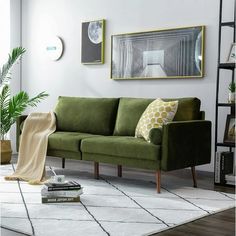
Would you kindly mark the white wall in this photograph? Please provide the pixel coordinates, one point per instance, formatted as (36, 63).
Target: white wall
(5, 30)
(42, 18)
(15, 41)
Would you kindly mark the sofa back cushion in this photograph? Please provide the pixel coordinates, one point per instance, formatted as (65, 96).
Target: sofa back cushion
(128, 114)
(131, 109)
(87, 115)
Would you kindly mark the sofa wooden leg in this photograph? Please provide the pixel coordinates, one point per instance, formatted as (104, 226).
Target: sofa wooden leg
(96, 170)
(194, 176)
(119, 170)
(63, 163)
(158, 181)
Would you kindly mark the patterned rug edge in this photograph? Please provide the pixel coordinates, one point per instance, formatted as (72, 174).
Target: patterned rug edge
(187, 222)
(14, 230)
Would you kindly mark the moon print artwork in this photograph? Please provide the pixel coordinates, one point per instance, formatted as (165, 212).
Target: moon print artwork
(95, 32)
(92, 51)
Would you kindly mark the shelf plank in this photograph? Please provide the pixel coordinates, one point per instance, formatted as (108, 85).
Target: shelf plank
(228, 66)
(228, 23)
(225, 144)
(225, 104)
(226, 185)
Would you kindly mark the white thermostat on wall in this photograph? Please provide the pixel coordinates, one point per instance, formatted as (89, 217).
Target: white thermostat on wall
(54, 48)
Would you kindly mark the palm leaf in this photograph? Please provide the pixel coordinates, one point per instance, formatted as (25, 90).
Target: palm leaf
(4, 96)
(4, 104)
(17, 105)
(35, 100)
(12, 59)
(13, 107)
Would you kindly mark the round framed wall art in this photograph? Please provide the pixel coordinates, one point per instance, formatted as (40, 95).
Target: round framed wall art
(54, 48)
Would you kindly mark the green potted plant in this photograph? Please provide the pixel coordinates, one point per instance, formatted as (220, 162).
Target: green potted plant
(231, 88)
(12, 107)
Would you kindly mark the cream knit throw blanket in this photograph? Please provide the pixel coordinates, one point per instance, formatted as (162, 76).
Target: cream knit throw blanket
(33, 148)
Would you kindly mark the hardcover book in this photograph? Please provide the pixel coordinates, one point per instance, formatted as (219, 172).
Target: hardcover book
(60, 199)
(217, 167)
(61, 193)
(70, 185)
(223, 166)
(230, 179)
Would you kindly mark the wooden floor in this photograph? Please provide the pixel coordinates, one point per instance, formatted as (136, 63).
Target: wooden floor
(220, 224)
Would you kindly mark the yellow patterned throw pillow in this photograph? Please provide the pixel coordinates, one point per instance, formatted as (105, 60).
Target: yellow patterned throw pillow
(156, 114)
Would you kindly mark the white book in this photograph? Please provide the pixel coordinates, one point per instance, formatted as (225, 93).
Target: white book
(230, 178)
(67, 193)
(230, 182)
(217, 167)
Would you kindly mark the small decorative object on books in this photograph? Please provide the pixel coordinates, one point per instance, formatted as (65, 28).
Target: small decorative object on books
(231, 98)
(92, 51)
(229, 136)
(68, 191)
(232, 54)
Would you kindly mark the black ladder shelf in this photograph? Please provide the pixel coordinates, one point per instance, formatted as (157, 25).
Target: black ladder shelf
(224, 66)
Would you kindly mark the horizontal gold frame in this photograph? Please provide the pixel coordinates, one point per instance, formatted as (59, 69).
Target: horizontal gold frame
(202, 73)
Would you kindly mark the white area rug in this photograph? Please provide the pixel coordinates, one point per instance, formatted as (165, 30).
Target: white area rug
(109, 206)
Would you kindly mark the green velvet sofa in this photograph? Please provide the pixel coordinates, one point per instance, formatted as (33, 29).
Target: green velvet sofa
(103, 129)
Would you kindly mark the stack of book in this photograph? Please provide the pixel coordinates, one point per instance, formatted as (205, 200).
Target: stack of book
(224, 168)
(61, 192)
(230, 179)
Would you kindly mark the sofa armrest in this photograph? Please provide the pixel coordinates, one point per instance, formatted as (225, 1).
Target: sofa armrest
(19, 122)
(185, 144)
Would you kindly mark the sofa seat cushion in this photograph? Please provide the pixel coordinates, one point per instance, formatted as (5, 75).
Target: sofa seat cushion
(66, 141)
(121, 146)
